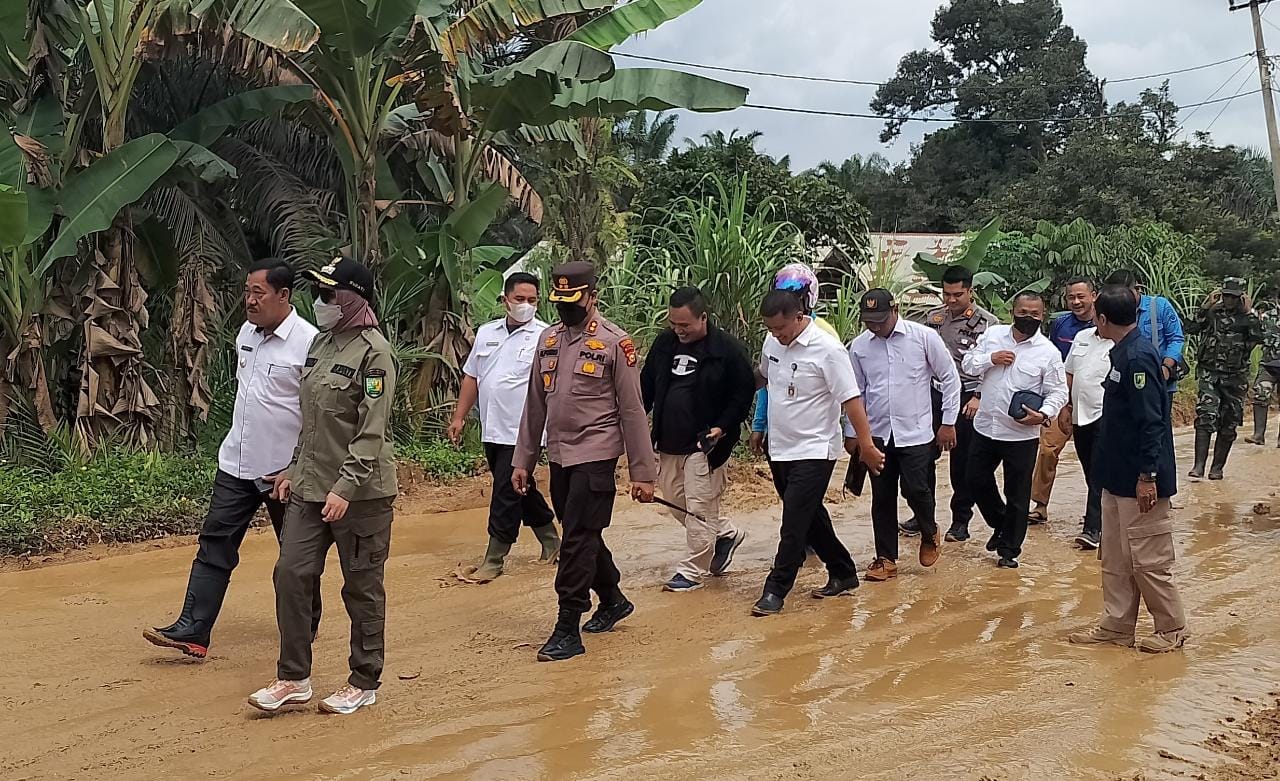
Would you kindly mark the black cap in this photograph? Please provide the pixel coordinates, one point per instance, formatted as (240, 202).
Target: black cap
(343, 273)
(876, 305)
(571, 282)
(1234, 286)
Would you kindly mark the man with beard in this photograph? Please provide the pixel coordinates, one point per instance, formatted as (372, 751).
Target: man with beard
(584, 391)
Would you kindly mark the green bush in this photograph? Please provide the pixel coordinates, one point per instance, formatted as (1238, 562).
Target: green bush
(114, 497)
(440, 459)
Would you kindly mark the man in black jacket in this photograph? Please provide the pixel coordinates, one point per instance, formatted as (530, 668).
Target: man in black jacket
(698, 382)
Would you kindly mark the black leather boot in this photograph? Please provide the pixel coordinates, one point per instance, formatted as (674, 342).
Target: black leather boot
(190, 633)
(1203, 439)
(565, 641)
(1221, 449)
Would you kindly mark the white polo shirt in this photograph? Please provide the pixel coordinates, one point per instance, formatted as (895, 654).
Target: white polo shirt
(809, 380)
(1088, 364)
(268, 416)
(500, 362)
(1037, 366)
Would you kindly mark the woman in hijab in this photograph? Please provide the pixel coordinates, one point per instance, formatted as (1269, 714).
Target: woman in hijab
(340, 487)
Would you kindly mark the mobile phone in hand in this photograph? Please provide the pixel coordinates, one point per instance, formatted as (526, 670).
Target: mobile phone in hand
(264, 486)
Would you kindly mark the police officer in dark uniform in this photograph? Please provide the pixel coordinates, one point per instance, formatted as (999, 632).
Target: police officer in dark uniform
(959, 321)
(585, 391)
(1134, 463)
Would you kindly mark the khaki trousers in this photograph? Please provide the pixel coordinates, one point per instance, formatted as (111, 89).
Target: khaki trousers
(690, 482)
(1052, 441)
(1137, 564)
(363, 537)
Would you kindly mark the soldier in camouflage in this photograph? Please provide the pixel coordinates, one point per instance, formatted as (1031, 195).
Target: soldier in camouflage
(1228, 330)
(1264, 386)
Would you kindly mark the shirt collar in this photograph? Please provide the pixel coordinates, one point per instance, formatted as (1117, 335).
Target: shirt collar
(286, 326)
(809, 333)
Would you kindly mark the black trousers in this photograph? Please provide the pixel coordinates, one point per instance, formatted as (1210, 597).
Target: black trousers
(583, 497)
(507, 509)
(912, 469)
(958, 461)
(1007, 515)
(805, 524)
(1086, 440)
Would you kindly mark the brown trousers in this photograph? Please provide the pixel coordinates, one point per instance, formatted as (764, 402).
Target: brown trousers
(1137, 565)
(1052, 442)
(363, 538)
(690, 482)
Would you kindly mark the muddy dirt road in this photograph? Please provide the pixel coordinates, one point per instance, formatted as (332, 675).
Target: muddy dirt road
(961, 672)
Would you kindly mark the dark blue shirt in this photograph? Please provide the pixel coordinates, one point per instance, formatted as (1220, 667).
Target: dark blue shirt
(1063, 331)
(1136, 436)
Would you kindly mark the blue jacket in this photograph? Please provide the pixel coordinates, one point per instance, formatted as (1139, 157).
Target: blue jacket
(1136, 434)
(1171, 337)
(1064, 329)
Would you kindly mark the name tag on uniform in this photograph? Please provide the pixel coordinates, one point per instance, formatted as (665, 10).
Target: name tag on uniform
(1114, 375)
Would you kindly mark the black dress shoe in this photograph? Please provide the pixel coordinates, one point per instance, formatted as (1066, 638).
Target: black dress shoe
(607, 616)
(835, 587)
(1007, 563)
(560, 646)
(767, 605)
(993, 544)
(909, 527)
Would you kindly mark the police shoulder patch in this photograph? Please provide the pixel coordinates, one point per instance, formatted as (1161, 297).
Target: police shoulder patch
(628, 349)
(1139, 380)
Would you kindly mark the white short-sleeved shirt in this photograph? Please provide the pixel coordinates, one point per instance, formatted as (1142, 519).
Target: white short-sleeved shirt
(268, 416)
(500, 362)
(1088, 363)
(809, 380)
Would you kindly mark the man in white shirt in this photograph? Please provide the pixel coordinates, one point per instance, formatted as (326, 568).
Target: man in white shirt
(810, 382)
(271, 350)
(1014, 363)
(1088, 363)
(496, 375)
(895, 362)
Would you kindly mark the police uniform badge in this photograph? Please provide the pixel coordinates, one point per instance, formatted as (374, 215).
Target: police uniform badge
(551, 341)
(1139, 380)
(595, 344)
(374, 383)
(591, 329)
(628, 348)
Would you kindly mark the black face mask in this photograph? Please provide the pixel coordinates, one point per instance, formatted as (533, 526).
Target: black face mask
(571, 315)
(1027, 326)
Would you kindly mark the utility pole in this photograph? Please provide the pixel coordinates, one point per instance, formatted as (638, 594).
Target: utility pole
(1268, 98)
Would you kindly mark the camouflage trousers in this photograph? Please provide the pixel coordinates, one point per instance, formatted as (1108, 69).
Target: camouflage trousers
(1264, 389)
(1220, 401)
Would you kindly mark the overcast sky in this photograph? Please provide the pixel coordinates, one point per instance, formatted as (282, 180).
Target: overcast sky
(864, 39)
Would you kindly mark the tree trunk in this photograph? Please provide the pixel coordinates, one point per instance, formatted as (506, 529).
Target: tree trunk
(367, 211)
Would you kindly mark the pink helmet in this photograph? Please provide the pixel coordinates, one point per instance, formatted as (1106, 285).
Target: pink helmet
(799, 278)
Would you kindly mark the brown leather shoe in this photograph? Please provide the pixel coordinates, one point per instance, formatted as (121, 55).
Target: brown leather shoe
(930, 550)
(881, 570)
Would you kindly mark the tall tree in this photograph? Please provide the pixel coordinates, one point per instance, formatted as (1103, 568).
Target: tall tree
(641, 138)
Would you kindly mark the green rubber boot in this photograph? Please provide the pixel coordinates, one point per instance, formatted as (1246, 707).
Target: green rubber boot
(491, 567)
(550, 540)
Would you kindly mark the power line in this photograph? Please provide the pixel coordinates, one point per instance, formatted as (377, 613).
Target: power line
(1183, 124)
(1227, 104)
(861, 82)
(985, 120)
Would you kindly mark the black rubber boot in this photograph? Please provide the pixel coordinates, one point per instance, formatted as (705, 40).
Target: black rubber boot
(565, 641)
(1221, 449)
(206, 589)
(550, 540)
(1203, 439)
(1259, 425)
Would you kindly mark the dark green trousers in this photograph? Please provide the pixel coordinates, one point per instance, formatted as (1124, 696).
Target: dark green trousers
(363, 538)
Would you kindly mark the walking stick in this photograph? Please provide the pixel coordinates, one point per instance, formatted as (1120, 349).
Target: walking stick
(679, 509)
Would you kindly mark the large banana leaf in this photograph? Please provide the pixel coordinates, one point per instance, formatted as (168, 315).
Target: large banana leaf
(494, 22)
(630, 89)
(470, 222)
(209, 124)
(357, 27)
(631, 19)
(13, 218)
(276, 23)
(550, 65)
(198, 162)
(11, 161)
(92, 198)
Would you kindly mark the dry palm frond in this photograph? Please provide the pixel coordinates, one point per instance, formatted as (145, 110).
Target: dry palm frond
(496, 166)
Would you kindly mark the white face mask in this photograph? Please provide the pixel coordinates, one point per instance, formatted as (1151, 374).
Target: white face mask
(522, 313)
(327, 315)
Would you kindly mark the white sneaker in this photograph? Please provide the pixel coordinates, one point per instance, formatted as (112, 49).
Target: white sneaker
(281, 693)
(348, 699)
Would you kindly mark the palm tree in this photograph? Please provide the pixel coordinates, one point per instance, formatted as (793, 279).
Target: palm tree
(640, 140)
(853, 174)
